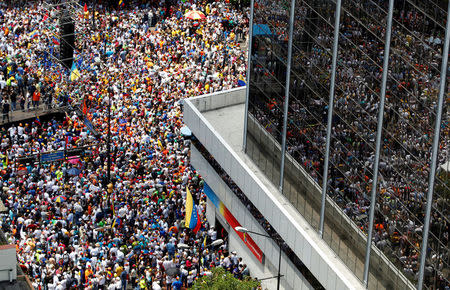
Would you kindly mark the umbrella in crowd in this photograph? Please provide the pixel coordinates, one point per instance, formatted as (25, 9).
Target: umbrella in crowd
(73, 171)
(60, 198)
(73, 160)
(195, 15)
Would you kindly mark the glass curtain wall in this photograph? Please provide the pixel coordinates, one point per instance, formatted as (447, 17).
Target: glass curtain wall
(268, 72)
(411, 97)
(415, 63)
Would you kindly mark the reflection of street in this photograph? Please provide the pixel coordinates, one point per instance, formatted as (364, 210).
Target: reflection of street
(410, 113)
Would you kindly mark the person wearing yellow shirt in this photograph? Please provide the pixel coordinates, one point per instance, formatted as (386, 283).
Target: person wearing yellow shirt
(119, 270)
(10, 80)
(88, 273)
(142, 283)
(59, 174)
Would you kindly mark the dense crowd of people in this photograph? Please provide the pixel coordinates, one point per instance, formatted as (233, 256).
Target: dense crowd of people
(75, 227)
(412, 88)
(138, 62)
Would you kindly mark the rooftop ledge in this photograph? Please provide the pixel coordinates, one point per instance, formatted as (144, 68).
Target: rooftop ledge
(217, 120)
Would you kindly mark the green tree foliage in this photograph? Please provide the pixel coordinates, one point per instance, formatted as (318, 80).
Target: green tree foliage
(223, 280)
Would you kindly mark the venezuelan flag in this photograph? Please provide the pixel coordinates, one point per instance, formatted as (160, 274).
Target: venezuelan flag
(74, 73)
(55, 40)
(34, 33)
(204, 243)
(160, 144)
(241, 81)
(192, 217)
(121, 3)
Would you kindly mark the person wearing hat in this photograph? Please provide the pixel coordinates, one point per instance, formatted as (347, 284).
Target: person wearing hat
(176, 284)
(234, 258)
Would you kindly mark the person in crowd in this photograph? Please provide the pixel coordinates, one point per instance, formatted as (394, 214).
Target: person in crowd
(74, 226)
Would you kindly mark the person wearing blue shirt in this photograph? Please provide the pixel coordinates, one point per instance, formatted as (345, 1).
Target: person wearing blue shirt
(176, 285)
(170, 249)
(124, 278)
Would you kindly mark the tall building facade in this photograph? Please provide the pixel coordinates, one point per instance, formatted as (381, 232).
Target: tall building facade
(308, 88)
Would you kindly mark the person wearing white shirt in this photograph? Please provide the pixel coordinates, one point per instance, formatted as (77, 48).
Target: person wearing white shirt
(101, 279)
(212, 233)
(226, 262)
(112, 286)
(20, 129)
(51, 286)
(59, 286)
(12, 131)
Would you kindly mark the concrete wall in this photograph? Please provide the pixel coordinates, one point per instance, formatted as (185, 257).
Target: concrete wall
(292, 279)
(219, 100)
(8, 262)
(210, 212)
